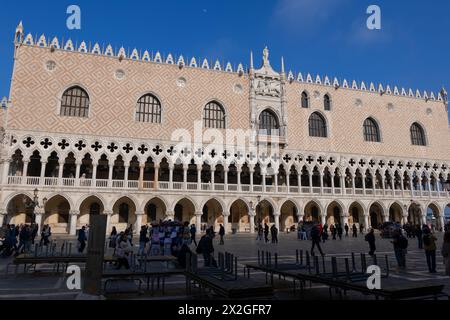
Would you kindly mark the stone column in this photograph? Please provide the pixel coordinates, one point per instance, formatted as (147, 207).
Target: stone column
(393, 184)
(141, 175)
(343, 184)
(383, 182)
(264, 182)
(185, 171)
(345, 220)
(364, 183)
(225, 178)
(125, 179)
(424, 218)
(170, 215)
(386, 218)
(199, 178)
(25, 171)
(138, 224)
(288, 182)
(2, 218)
(411, 183)
(60, 173)
(332, 184)
(374, 178)
(198, 221)
(299, 179)
(421, 186)
(441, 223)
(353, 183)
(251, 179)
(110, 174)
(42, 176)
(171, 167)
(276, 181)
(251, 216)
(277, 221)
(239, 179)
(94, 174)
(212, 172)
(323, 219)
(321, 182)
(5, 174)
(225, 214)
(108, 214)
(156, 177)
(73, 222)
(366, 222)
(310, 182)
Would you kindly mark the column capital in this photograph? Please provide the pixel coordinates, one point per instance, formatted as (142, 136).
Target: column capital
(140, 213)
(108, 212)
(198, 213)
(74, 212)
(226, 213)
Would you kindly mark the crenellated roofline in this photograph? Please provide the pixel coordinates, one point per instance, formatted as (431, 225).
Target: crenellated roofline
(170, 59)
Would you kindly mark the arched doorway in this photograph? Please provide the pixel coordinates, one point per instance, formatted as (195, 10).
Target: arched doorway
(19, 211)
(433, 217)
(185, 211)
(124, 215)
(289, 216)
(376, 215)
(213, 214)
(334, 214)
(396, 213)
(356, 214)
(415, 215)
(264, 213)
(155, 211)
(90, 206)
(312, 212)
(239, 216)
(57, 214)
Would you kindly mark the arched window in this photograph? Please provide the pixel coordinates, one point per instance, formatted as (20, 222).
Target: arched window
(214, 116)
(371, 131)
(75, 103)
(327, 102)
(268, 123)
(418, 135)
(305, 100)
(317, 126)
(148, 109)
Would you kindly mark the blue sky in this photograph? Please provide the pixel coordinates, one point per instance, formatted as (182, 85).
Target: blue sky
(317, 36)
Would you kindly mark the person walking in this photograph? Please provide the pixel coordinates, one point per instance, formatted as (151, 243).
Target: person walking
(315, 238)
(445, 251)
(124, 248)
(266, 233)
(370, 238)
(339, 231)
(429, 241)
(274, 234)
(354, 231)
(143, 239)
(400, 248)
(333, 231)
(347, 229)
(34, 232)
(206, 248)
(361, 228)
(113, 238)
(193, 231)
(82, 239)
(259, 237)
(419, 234)
(221, 234)
(324, 234)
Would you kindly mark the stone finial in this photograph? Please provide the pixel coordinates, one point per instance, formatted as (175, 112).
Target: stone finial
(266, 53)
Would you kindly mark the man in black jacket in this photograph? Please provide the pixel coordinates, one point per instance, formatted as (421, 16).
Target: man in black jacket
(221, 234)
(206, 248)
(315, 238)
(370, 238)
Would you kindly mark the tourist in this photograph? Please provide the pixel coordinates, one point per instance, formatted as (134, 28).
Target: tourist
(315, 238)
(113, 238)
(274, 234)
(347, 228)
(370, 238)
(339, 231)
(221, 234)
(400, 248)
(45, 235)
(259, 237)
(186, 234)
(324, 234)
(419, 235)
(206, 248)
(182, 255)
(333, 231)
(266, 232)
(82, 239)
(445, 251)
(34, 232)
(143, 239)
(168, 244)
(304, 235)
(124, 248)
(193, 231)
(429, 241)
(354, 231)
(361, 228)
(155, 248)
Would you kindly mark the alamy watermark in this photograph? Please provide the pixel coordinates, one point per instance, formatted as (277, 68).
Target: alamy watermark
(374, 280)
(73, 22)
(73, 281)
(374, 20)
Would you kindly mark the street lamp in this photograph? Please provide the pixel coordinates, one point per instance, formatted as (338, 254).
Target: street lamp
(34, 203)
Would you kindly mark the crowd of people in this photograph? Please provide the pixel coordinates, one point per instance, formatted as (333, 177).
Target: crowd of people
(19, 239)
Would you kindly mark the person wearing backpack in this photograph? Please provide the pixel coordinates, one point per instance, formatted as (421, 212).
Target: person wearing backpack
(429, 244)
(419, 235)
(400, 248)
